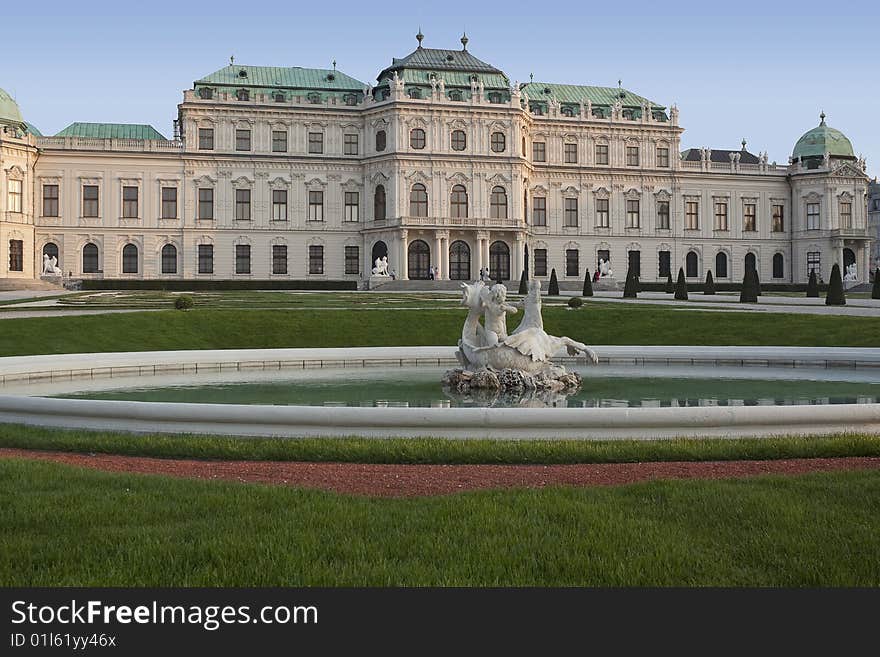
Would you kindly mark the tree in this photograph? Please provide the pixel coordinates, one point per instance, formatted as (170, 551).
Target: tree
(813, 285)
(524, 282)
(749, 291)
(709, 288)
(588, 284)
(553, 288)
(875, 291)
(670, 286)
(835, 296)
(631, 288)
(681, 287)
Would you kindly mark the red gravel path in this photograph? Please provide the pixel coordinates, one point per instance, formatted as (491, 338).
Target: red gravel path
(415, 480)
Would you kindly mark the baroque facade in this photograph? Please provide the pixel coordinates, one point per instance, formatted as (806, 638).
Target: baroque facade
(293, 173)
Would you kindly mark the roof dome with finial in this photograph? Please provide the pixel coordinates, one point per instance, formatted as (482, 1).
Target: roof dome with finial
(823, 139)
(9, 112)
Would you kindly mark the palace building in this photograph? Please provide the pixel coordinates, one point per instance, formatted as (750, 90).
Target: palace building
(296, 173)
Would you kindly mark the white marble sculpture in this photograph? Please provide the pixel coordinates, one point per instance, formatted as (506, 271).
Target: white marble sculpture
(50, 266)
(605, 269)
(380, 267)
(851, 274)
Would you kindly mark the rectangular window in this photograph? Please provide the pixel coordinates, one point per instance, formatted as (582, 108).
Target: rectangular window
(721, 216)
(206, 139)
(539, 151)
(571, 153)
(539, 211)
(279, 258)
(692, 215)
(663, 215)
(316, 206)
(632, 156)
(242, 140)
(242, 259)
(814, 263)
(243, 205)
(279, 141)
(664, 264)
(349, 144)
(812, 216)
(602, 213)
(13, 197)
(169, 202)
(50, 200)
(316, 259)
(778, 218)
(663, 157)
(352, 260)
(632, 214)
(279, 205)
(316, 142)
(206, 203)
(16, 254)
(130, 202)
(750, 217)
(570, 214)
(846, 215)
(540, 262)
(572, 263)
(601, 153)
(352, 206)
(90, 200)
(206, 258)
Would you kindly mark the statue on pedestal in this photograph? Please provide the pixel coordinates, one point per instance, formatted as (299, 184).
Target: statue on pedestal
(380, 267)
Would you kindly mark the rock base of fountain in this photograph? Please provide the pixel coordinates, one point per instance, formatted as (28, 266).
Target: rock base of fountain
(510, 381)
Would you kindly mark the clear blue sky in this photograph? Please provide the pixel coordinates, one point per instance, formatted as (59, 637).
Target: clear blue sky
(759, 70)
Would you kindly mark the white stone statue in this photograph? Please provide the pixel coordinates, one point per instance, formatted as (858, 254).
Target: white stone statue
(380, 267)
(55, 268)
(605, 269)
(851, 274)
(495, 309)
(47, 264)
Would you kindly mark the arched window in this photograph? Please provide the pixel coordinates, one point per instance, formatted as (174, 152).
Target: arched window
(51, 250)
(499, 142)
(498, 203)
(459, 140)
(90, 259)
(720, 265)
(778, 265)
(243, 94)
(418, 260)
(169, 259)
(415, 92)
(206, 93)
(380, 250)
(379, 203)
(129, 259)
(417, 138)
(499, 261)
(278, 96)
(314, 98)
(750, 262)
(458, 201)
(459, 261)
(381, 140)
(567, 111)
(494, 97)
(418, 201)
(350, 99)
(691, 265)
(455, 95)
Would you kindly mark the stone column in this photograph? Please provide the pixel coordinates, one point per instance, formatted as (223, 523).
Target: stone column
(404, 267)
(436, 256)
(486, 254)
(517, 260)
(480, 263)
(443, 256)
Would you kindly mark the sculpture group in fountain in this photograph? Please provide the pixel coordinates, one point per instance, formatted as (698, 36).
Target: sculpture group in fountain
(380, 267)
(520, 362)
(50, 266)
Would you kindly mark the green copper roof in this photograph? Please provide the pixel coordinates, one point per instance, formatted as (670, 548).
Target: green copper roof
(822, 139)
(436, 59)
(33, 130)
(274, 77)
(111, 131)
(575, 93)
(9, 112)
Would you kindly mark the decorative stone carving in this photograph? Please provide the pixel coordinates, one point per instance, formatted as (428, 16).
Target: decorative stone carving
(381, 266)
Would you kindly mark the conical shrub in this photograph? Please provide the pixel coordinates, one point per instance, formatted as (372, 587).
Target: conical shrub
(588, 284)
(757, 283)
(681, 287)
(813, 285)
(709, 288)
(749, 291)
(875, 291)
(631, 288)
(835, 296)
(553, 288)
(524, 282)
(670, 286)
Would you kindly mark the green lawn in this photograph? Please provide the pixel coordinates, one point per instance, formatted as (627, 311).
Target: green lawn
(65, 526)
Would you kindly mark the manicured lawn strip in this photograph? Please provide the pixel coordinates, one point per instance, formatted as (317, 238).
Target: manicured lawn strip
(437, 450)
(65, 526)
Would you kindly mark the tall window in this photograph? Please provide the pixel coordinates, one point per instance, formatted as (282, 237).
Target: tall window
(812, 216)
(632, 213)
(129, 202)
(721, 265)
(243, 205)
(13, 196)
(381, 141)
(16, 255)
(778, 265)
(602, 213)
(279, 258)
(663, 157)
(601, 153)
(316, 259)
(316, 142)
(50, 200)
(692, 215)
(279, 205)
(846, 215)
(571, 153)
(663, 215)
(498, 203)
(206, 203)
(279, 141)
(243, 94)
(242, 258)
(206, 139)
(570, 213)
(720, 216)
(778, 218)
(352, 260)
(499, 142)
(632, 156)
(750, 217)
(169, 259)
(459, 140)
(206, 258)
(169, 202)
(379, 203)
(242, 140)
(90, 259)
(129, 259)
(316, 205)
(418, 201)
(417, 138)
(539, 151)
(90, 200)
(814, 263)
(572, 264)
(539, 211)
(540, 262)
(458, 202)
(352, 206)
(350, 144)
(664, 264)
(459, 261)
(691, 265)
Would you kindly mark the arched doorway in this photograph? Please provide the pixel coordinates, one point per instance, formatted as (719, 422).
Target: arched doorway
(51, 250)
(380, 250)
(418, 260)
(849, 258)
(459, 261)
(499, 261)
(751, 262)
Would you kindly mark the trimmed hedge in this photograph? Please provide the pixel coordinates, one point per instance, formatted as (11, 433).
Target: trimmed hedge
(813, 285)
(588, 284)
(731, 287)
(180, 285)
(875, 291)
(709, 285)
(553, 288)
(835, 296)
(681, 288)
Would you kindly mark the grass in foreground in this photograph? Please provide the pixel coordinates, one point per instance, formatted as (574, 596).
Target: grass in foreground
(66, 526)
